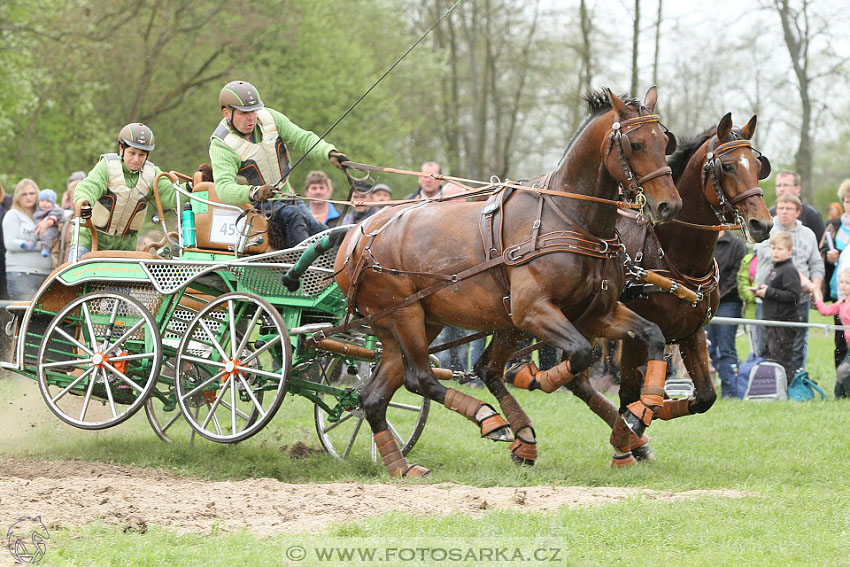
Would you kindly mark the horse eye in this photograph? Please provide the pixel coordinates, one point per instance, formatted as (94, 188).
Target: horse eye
(728, 168)
(637, 146)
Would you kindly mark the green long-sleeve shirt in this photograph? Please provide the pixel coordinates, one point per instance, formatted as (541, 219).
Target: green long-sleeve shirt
(94, 186)
(225, 163)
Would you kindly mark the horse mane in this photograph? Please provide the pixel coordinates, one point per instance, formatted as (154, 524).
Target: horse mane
(685, 150)
(679, 160)
(598, 103)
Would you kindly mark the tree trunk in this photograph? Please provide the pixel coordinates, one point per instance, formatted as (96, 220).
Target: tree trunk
(635, 36)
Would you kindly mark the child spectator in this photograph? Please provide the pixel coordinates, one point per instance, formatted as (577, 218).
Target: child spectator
(780, 295)
(842, 309)
(48, 211)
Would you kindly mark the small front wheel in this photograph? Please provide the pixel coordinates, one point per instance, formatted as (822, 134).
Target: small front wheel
(406, 414)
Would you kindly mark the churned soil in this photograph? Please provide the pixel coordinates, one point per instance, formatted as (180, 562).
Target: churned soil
(75, 493)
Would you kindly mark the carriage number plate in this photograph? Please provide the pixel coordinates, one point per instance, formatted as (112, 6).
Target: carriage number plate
(223, 228)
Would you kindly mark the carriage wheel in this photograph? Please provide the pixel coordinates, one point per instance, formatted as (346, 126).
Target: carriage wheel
(103, 346)
(162, 410)
(240, 355)
(406, 414)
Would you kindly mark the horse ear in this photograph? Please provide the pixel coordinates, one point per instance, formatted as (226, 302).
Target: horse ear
(750, 129)
(724, 127)
(650, 98)
(621, 111)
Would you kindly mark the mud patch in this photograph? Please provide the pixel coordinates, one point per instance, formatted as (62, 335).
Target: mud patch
(75, 493)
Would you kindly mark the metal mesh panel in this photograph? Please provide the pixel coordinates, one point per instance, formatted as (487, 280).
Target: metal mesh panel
(173, 274)
(143, 292)
(103, 306)
(263, 274)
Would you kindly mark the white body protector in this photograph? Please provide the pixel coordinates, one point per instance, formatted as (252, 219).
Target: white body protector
(122, 210)
(263, 162)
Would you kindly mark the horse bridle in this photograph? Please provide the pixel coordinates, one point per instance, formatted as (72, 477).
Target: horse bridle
(713, 169)
(619, 138)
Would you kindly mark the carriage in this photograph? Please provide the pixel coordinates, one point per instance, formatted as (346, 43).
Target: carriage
(204, 336)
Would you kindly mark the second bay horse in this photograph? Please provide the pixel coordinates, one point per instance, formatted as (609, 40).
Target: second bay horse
(543, 260)
(717, 176)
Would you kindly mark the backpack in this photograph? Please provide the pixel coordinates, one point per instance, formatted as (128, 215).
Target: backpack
(765, 379)
(803, 388)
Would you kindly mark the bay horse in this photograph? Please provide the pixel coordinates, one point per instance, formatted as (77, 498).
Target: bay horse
(543, 260)
(717, 176)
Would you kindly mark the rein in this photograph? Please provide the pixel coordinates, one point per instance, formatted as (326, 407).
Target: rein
(489, 187)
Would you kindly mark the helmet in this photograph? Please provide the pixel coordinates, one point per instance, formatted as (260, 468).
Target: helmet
(241, 96)
(137, 135)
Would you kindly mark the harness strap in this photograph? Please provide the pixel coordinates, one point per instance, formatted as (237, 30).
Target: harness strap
(425, 292)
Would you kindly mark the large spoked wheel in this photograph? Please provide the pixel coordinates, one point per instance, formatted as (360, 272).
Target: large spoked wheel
(240, 347)
(406, 414)
(103, 347)
(162, 410)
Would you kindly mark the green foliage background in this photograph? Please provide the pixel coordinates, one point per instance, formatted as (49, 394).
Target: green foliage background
(75, 72)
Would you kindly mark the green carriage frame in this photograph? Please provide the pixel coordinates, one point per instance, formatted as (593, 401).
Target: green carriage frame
(208, 337)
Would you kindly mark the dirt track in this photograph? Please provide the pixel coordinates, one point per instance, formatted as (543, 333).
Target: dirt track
(73, 493)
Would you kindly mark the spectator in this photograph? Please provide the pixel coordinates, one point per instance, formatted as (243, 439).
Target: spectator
(250, 159)
(68, 195)
(836, 238)
(841, 310)
(729, 253)
(119, 189)
(746, 281)
(319, 186)
(789, 182)
(5, 205)
(805, 257)
(429, 187)
(834, 212)
(833, 245)
(780, 295)
(50, 213)
(26, 269)
(378, 193)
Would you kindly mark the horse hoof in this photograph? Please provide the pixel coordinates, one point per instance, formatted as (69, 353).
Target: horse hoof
(415, 471)
(624, 460)
(503, 433)
(520, 462)
(643, 453)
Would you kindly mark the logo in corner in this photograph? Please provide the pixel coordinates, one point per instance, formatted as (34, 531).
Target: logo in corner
(26, 540)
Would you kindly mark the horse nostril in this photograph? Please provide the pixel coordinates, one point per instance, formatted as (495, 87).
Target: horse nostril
(665, 211)
(757, 227)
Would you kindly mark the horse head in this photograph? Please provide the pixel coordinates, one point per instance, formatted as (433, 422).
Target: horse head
(634, 156)
(731, 170)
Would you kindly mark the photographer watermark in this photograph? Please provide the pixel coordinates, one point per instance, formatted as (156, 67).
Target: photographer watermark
(26, 539)
(424, 551)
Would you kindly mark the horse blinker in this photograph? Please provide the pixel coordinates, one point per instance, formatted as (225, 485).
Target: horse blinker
(764, 169)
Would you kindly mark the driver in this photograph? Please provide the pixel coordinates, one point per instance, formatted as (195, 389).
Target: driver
(120, 187)
(249, 158)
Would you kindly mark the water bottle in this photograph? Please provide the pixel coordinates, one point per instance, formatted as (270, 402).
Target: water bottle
(188, 218)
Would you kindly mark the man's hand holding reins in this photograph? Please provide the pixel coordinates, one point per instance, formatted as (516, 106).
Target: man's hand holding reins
(337, 158)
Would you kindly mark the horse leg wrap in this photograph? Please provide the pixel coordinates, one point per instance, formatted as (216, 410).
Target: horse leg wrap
(602, 406)
(493, 426)
(524, 448)
(393, 459)
(651, 397)
(513, 413)
(674, 408)
(530, 378)
(621, 436)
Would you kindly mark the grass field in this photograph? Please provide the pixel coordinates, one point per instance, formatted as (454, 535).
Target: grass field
(789, 458)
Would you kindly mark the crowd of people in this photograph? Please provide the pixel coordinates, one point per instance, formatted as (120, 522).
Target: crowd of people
(800, 267)
(805, 263)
